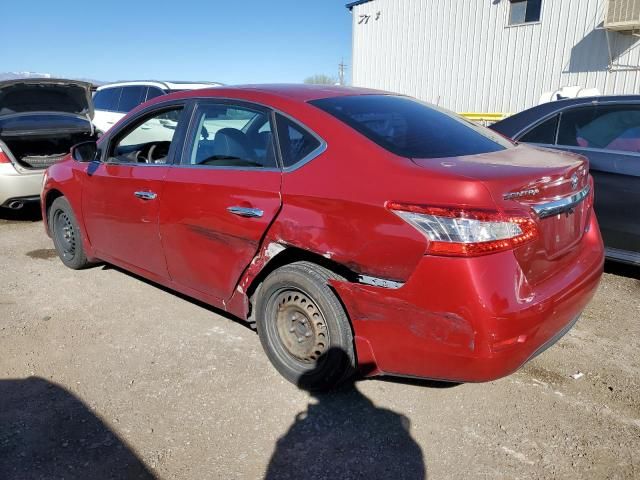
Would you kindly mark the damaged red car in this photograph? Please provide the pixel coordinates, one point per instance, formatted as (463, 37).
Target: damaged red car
(358, 230)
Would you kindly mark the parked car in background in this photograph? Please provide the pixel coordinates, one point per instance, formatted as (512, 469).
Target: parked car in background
(605, 129)
(113, 101)
(40, 120)
(354, 227)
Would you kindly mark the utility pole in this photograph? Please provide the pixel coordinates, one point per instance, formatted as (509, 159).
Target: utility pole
(342, 67)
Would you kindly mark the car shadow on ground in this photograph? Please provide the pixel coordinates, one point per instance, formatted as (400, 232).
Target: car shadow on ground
(28, 213)
(342, 434)
(622, 269)
(48, 433)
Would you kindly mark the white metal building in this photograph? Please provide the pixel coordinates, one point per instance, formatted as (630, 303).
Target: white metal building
(495, 55)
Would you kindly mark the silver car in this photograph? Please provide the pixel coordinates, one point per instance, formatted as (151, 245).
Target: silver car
(40, 120)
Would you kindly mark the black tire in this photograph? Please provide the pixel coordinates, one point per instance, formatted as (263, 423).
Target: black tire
(67, 237)
(303, 327)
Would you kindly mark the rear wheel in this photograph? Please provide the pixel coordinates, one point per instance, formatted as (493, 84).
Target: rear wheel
(303, 327)
(66, 234)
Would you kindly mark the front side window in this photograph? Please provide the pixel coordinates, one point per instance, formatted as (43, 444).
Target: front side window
(602, 127)
(544, 133)
(295, 142)
(409, 128)
(107, 99)
(231, 136)
(148, 140)
(131, 97)
(524, 11)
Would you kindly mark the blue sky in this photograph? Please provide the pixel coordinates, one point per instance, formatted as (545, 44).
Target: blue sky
(241, 41)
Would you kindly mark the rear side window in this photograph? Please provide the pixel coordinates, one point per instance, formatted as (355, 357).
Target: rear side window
(107, 99)
(131, 97)
(543, 133)
(153, 92)
(602, 127)
(410, 128)
(296, 143)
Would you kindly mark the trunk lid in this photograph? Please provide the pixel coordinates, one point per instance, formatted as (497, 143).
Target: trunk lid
(46, 95)
(553, 187)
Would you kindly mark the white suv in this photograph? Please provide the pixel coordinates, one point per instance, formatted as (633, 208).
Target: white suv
(113, 101)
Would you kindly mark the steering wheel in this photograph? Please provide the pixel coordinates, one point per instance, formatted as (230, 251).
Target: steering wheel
(140, 158)
(151, 152)
(148, 158)
(152, 149)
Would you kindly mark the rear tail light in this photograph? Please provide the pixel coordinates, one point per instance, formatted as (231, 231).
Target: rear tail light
(466, 232)
(3, 157)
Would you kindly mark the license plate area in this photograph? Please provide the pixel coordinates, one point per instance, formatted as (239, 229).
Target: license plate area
(563, 230)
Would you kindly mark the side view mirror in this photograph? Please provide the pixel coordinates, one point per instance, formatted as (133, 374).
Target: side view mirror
(85, 152)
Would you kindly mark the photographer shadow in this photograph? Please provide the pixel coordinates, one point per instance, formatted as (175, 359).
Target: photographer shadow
(342, 434)
(48, 433)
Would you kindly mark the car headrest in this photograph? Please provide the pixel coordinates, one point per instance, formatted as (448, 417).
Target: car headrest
(232, 143)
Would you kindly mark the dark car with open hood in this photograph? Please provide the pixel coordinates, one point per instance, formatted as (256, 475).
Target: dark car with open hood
(40, 119)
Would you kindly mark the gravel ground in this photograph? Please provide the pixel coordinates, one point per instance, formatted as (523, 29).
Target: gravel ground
(104, 375)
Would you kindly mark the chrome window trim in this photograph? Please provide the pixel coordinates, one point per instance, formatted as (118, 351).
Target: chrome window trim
(113, 133)
(562, 205)
(186, 148)
(134, 164)
(319, 150)
(221, 167)
(311, 156)
(195, 100)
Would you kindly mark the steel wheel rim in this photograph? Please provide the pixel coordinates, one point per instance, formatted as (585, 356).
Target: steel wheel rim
(301, 326)
(65, 234)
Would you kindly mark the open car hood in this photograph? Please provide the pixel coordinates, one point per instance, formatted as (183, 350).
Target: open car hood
(45, 95)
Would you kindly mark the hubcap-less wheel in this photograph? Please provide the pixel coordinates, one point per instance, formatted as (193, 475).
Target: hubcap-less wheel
(65, 234)
(301, 326)
(67, 237)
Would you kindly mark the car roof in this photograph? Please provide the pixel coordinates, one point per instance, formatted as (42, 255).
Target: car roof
(295, 92)
(515, 124)
(163, 85)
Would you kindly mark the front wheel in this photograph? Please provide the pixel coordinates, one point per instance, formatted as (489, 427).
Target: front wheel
(66, 234)
(303, 327)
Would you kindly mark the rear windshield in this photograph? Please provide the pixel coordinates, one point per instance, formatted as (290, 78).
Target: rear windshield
(410, 128)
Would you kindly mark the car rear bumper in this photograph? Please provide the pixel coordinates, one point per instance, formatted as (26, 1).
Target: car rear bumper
(469, 319)
(18, 186)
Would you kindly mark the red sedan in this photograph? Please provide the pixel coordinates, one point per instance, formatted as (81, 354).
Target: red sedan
(357, 229)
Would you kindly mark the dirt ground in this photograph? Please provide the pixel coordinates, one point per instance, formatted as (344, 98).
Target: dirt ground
(104, 375)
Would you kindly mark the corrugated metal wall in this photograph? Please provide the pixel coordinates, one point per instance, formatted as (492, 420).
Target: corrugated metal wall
(462, 55)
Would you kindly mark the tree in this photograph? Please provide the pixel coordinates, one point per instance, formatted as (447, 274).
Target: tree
(320, 79)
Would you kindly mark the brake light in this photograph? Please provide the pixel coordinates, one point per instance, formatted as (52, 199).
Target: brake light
(3, 157)
(464, 232)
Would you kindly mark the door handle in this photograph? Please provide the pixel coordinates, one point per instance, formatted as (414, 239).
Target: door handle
(246, 212)
(146, 195)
